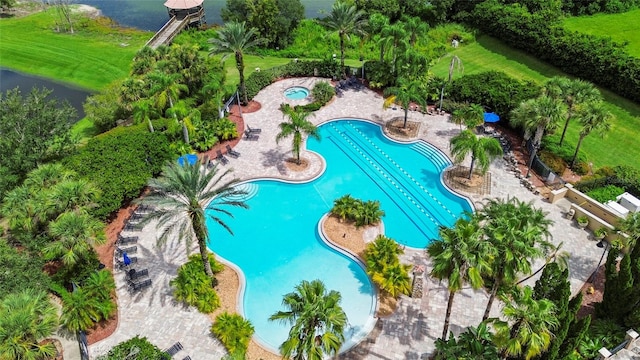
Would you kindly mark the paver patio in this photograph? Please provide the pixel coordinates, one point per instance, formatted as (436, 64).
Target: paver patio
(411, 331)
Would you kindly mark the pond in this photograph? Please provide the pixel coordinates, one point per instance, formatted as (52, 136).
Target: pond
(75, 96)
(151, 14)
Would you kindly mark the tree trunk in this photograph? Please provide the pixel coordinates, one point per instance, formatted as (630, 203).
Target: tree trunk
(406, 114)
(566, 126)
(243, 87)
(150, 125)
(445, 330)
(473, 160)
(492, 296)
(200, 231)
(344, 74)
(575, 155)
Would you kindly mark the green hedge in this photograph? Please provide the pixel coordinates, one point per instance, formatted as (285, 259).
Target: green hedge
(120, 162)
(621, 176)
(258, 80)
(142, 348)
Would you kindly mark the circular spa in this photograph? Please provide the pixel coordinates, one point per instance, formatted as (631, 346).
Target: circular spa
(277, 242)
(296, 93)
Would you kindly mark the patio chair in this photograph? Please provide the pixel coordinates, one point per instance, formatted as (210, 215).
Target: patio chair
(187, 358)
(121, 265)
(125, 240)
(134, 274)
(174, 349)
(234, 154)
(137, 286)
(131, 227)
(250, 136)
(128, 250)
(221, 157)
(254, 130)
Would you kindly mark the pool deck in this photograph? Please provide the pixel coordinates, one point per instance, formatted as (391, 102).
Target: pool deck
(411, 331)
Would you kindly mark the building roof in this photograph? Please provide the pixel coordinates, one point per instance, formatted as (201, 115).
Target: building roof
(183, 4)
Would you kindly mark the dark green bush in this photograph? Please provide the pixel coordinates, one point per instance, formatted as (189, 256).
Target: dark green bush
(322, 92)
(606, 193)
(145, 350)
(20, 270)
(494, 90)
(257, 81)
(379, 74)
(120, 162)
(622, 176)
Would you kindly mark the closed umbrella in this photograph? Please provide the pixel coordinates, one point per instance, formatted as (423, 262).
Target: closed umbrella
(490, 117)
(125, 259)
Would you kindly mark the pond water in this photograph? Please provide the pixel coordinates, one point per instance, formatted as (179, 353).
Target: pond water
(151, 14)
(75, 96)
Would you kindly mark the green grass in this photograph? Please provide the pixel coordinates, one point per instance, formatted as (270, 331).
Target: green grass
(619, 147)
(84, 129)
(92, 57)
(623, 28)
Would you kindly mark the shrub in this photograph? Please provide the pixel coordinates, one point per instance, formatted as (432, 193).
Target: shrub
(119, 162)
(234, 332)
(356, 210)
(20, 270)
(143, 348)
(322, 92)
(384, 267)
(553, 161)
(379, 74)
(193, 287)
(606, 193)
(224, 129)
(257, 81)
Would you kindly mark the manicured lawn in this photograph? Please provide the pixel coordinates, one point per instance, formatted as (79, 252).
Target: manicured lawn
(623, 28)
(618, 147)
(92, 57)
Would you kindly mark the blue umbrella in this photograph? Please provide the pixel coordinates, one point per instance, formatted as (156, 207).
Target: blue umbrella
(125, 259)
(491, 117)
(190, 158)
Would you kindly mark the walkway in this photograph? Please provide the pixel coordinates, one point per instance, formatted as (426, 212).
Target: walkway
(165, 35)
(410, 332)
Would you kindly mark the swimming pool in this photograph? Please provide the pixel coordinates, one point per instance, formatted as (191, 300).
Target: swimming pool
(277, 243)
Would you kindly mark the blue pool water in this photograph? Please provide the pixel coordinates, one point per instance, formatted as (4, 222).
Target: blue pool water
(276, 242)
(296, 93)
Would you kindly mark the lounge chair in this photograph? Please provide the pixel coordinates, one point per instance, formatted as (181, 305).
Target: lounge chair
(174, 349)
(234, 154)
(131, 227)
(121, 265)
(128, 250)
(187, 358)
(254, 130)
(250, 136)
(125, 240)
(136, 274)
(221, 157)
(137, 286)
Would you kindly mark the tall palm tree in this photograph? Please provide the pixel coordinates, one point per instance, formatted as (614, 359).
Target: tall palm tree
(179, 198)
(26, 318)
(345, 20)
(454, 64)
(537, 116)
(235, 38)
(483, 149)
(404, 93)
(518, 232)
(317, 322)
(594, 117)
(573, 92)
(414, 27)
(393, 37)
(143, 111)
(298, 125)
(460, 256)
(471, 116)
(74, 233)
(529, 326)
(166, 90)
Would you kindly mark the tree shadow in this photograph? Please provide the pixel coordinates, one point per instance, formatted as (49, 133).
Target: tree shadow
(275, 158)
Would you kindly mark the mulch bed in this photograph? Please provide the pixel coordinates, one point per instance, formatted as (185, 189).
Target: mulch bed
(395, 127)
(292, 164)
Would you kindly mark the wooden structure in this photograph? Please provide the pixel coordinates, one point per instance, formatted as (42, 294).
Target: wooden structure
(182, 14)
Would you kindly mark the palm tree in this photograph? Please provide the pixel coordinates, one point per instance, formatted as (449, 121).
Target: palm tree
(73, 195)
(394, 37)
(518, 232)
(404, 93)
(317, 322)
(460, 256)
(476, 343)
(455, 63)
(538, 116)
(345, 20)
(483, 149)
(179, 198)
(166, 89)
(414, 26)
(394, 279)
(81, 310)
(594, 117)
(343, 207)
(297, 126)
(74, 233)
(143, 110)
(529, 326)
(573, 92)
(234, 38)
(26, 318)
